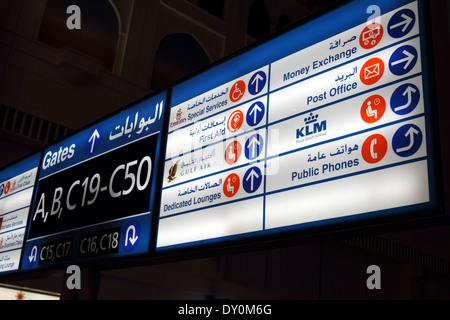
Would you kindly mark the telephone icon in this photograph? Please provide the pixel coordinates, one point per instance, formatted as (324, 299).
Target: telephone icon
(372, 149)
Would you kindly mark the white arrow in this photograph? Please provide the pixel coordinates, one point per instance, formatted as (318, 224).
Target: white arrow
(409, 91)
(257, 79)
(33, 254)
(133, 238)
(411, 132)
(95, 135)
(255, 111)
(409, 58)
(254, 145)
(406, 22)
(252, 175)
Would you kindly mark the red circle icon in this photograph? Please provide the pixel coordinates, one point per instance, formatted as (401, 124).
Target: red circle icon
(374, 148)
(7, 187)
(233, 152)
(235, 121)
(371, 36)
(237, 91)
(231, 185)
(373, 108)
(372, 71)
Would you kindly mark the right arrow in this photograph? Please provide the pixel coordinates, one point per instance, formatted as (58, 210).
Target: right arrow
(409, 58)
(405, 23)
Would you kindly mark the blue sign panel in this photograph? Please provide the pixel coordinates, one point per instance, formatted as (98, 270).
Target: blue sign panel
(16, 194)
(302, 131)
(95, 190)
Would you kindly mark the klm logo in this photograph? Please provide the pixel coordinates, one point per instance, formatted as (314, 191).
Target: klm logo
(312, 126)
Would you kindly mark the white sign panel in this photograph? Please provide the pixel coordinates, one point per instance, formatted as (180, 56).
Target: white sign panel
(321, 124)
(16, 194)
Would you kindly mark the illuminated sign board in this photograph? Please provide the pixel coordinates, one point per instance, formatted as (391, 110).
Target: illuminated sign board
(16, 193)
(327, 123)
(94, 197)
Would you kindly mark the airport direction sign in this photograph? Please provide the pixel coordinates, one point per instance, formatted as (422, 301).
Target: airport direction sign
(325, 123)
(95, 191)
(16, 194)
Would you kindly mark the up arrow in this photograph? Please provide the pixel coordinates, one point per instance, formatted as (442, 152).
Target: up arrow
(252, 176)
(405, 23)
(409, 91)
(253, 145)
(409, 58)
(255, 111)
(95, 135)
(411, 132)
(255, 81)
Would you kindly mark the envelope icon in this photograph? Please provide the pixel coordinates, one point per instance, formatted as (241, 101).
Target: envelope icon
(372, 71)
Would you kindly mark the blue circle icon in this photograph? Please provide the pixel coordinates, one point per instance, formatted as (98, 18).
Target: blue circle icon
(130, 235)
(257, 82)
(33, 256)
(255, 113)
(252, 179)
(405, 99)
(254, 146)
(407, 140)
(403, 60)
(401, 23)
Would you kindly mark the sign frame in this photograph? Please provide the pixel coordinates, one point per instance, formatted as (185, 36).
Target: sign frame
(390, 219)
(20, 163)
(109, 259)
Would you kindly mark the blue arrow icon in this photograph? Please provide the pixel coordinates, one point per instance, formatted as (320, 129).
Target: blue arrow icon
(255, 113)
(401, 23)
(405, 99)
(33, 257)
(407, 140)
(254, 146)
(257, 82)
(403, 60)
(131, 235)
(252, 179)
